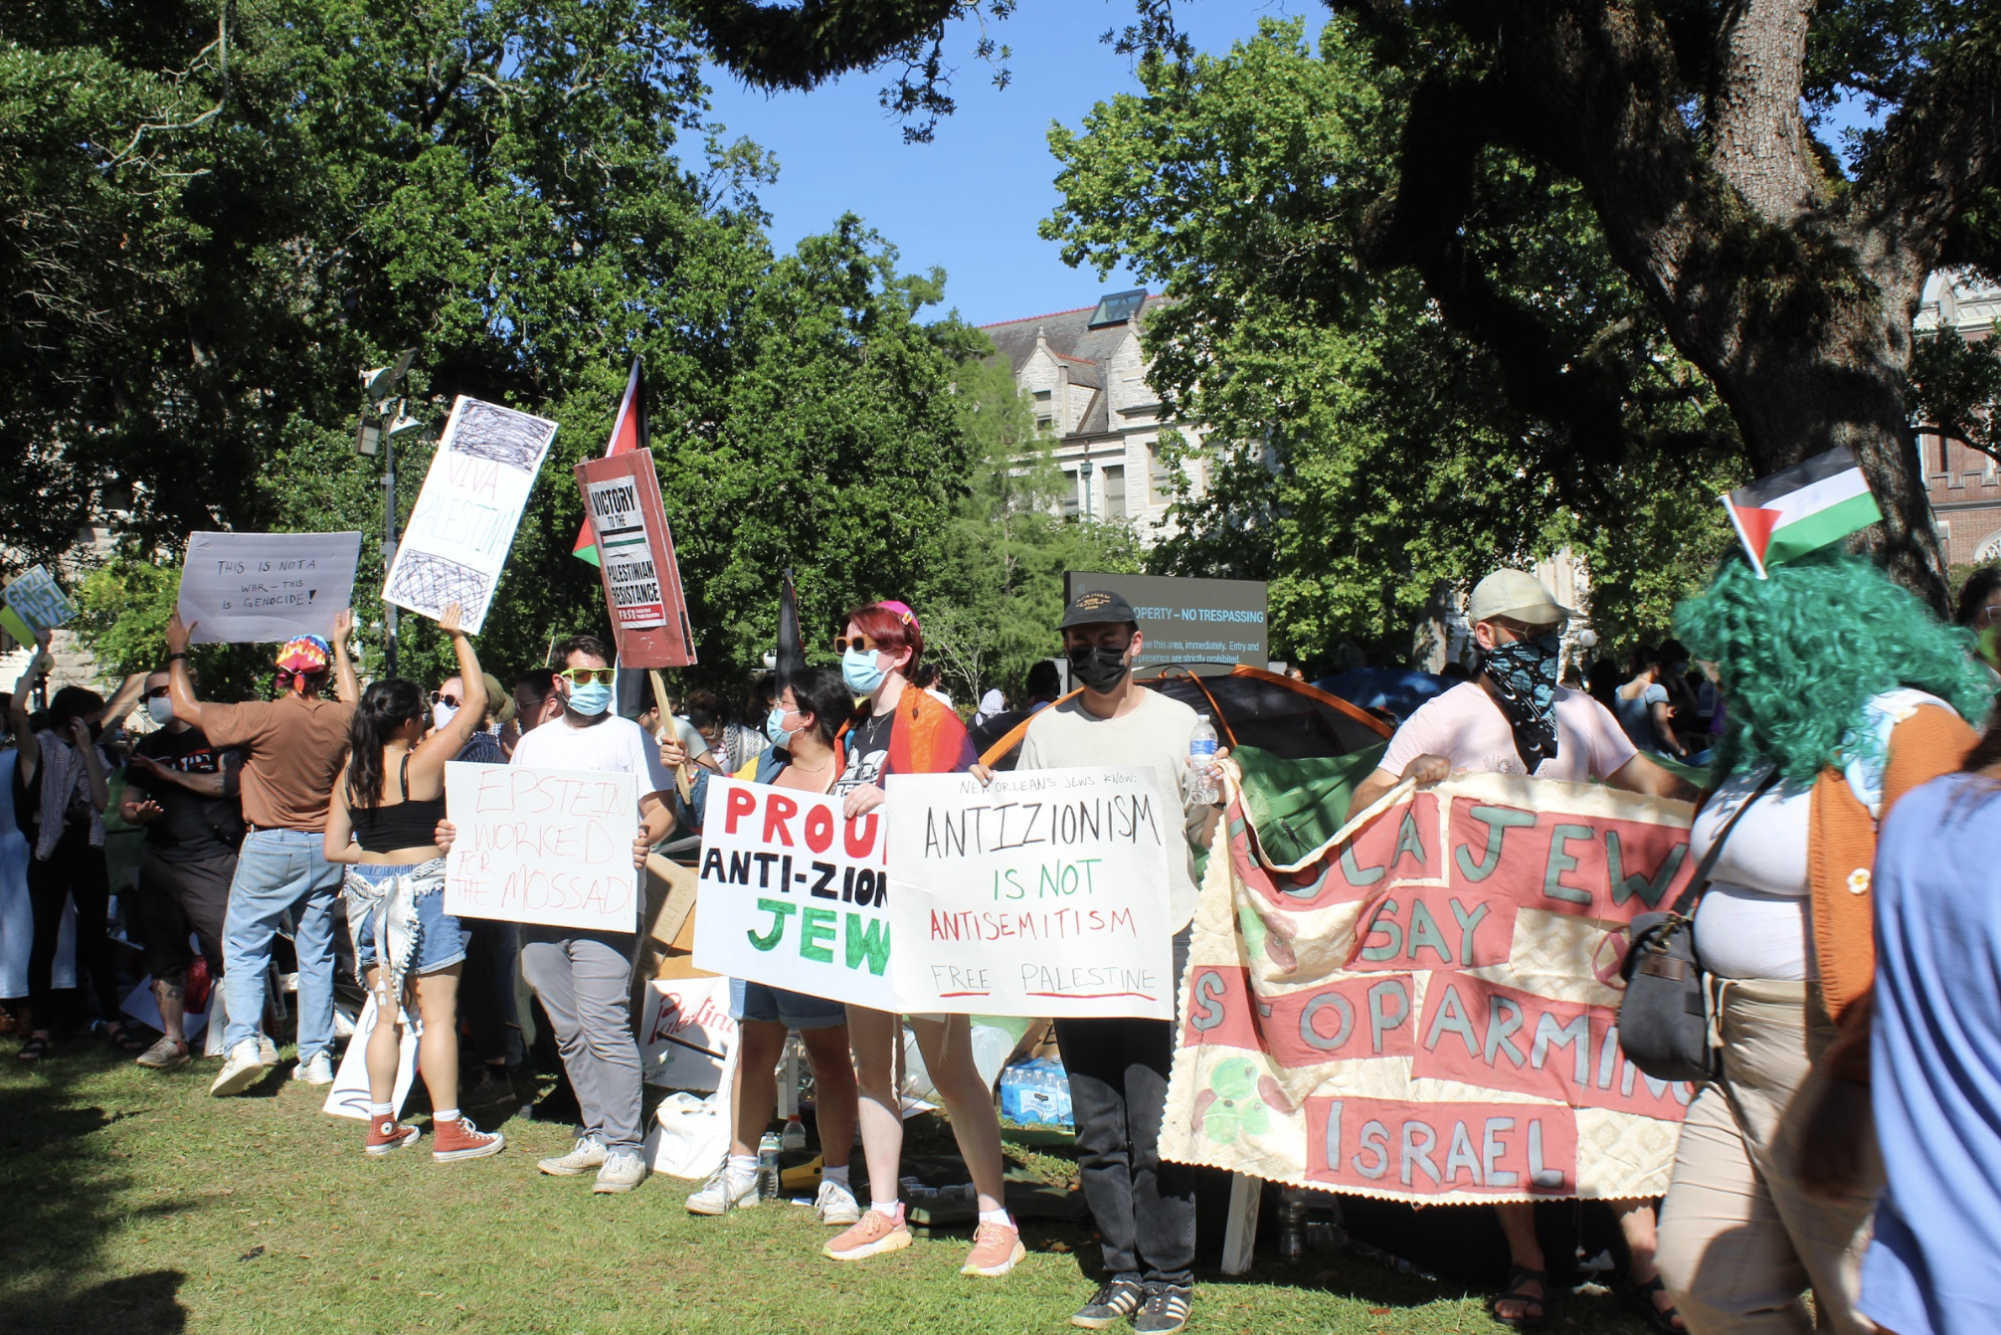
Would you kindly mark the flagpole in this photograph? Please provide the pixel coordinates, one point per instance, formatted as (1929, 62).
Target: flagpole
(1735, 523)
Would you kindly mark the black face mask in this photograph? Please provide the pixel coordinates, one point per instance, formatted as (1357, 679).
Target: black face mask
(1098, 667)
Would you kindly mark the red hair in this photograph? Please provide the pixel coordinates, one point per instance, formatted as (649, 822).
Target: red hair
(891, 629)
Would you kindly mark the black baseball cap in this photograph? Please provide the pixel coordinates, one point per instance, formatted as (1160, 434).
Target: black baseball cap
(1094, 606)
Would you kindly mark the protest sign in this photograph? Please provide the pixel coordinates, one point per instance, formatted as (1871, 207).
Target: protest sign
(549, 846)
(457, 539)
(1428, 1012)
(349, 1096)
(793, 895)
(1043, 892)
(642, 583)
(266, 588)
(35, 602)
(685, 1032)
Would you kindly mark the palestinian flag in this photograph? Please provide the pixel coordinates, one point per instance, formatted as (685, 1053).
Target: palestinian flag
(628, 432)
(1802, 509)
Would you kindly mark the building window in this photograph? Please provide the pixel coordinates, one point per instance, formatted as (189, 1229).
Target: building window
(1161, 484)
(1070, 506)
(1115, 491)
(1043, 422)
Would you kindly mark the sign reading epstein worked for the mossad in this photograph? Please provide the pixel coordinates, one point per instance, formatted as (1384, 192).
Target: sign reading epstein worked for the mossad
(794, 895)
(266, 588)
(1043, 892)
(548, 846)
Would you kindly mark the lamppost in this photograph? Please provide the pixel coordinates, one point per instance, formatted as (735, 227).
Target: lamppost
(1084, 471)
(382, 420)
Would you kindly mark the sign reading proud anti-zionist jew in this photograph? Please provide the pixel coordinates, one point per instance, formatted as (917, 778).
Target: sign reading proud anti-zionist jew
(1429, 1012)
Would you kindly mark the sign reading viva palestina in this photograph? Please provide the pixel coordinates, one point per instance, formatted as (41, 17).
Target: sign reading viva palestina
(1429, 1012)
(549, 846)
(1043, 892)
(794, 895)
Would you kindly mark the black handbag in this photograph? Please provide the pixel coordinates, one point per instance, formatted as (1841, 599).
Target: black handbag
(1664, 1016)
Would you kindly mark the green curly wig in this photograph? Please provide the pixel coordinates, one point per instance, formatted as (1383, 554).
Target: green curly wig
(1803, 650)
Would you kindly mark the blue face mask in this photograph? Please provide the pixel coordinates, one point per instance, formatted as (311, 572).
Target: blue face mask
(590, 700)
(860, 672)
(774, 728)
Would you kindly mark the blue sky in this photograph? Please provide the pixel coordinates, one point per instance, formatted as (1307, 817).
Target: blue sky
(970, 200)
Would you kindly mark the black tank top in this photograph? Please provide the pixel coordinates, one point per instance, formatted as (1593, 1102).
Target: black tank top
(408, 824)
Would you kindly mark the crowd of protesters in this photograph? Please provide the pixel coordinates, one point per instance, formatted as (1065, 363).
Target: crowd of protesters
(1848, 1148)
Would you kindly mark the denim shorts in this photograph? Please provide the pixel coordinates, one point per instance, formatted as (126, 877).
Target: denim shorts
(774, 1005)
(440, 942)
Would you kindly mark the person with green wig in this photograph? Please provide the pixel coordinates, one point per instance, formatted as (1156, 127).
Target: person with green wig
(1844, 694)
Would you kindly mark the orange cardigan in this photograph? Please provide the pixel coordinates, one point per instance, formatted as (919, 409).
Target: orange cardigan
(1841, 857)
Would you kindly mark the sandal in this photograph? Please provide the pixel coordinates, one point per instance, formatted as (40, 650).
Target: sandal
(34, 1050)
(1519, 1278)
(1639, 1300)
(125, 1040)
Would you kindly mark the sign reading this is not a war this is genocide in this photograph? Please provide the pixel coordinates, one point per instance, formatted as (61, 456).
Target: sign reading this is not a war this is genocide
(265, 588)
(1042, 892)
(547, 846)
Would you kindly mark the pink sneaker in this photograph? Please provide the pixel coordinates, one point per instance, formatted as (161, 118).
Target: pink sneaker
(996, 1250)
(875, 1233)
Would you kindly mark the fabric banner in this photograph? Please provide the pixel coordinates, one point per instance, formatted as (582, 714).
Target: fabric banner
(1041, 893)
(458, 537)
(549, 846)
(265, 588)
(1428, 1012)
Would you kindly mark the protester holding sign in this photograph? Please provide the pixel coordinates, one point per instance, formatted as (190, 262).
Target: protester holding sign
(292, 750)
(901, 730)
(1849, 723)
(407, 949)
(584, 977)
(1118, 1067)
(1516, 720)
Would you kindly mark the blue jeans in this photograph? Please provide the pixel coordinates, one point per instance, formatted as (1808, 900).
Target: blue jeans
(277, 871)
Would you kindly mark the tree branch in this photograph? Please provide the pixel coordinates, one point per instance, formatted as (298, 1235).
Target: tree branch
(802, 46)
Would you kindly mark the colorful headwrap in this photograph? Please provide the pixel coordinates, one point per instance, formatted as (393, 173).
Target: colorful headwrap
(307, 653)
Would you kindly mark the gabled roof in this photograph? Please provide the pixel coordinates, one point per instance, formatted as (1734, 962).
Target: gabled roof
(1070, 336)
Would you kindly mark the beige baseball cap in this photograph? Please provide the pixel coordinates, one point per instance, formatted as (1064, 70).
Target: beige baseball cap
(1517, 595)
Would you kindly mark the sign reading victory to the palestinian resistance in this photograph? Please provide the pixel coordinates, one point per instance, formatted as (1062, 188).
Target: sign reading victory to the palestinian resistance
(34, 602)
(457, 540)
(1428, 1012)
(266, 588)
(1043, 892)
(549, 846)
(794, 895)
(642, 582)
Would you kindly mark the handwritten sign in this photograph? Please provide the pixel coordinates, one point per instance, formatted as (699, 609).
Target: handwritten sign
(1042, 893)
(1429, 1012)
(35, 602)
(459, 534)
(265, 588)
(794, 895)
(549, 846)
(642, 581)
(685, 1032)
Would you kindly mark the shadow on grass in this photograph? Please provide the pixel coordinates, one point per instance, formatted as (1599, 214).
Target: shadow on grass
(64, 1185)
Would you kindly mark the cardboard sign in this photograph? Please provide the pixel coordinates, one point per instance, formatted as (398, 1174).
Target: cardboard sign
(1041, 893)
(549, 846)
(266, 588)
(348, 1096)
(1429, 1012)
(457, 540)
(35, 602)
(794, 895)
(686, 1033)
(642, 583)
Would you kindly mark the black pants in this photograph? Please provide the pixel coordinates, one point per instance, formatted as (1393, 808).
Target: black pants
(1144, 1208)
(74, 870)
(174, 899)
(486, 991)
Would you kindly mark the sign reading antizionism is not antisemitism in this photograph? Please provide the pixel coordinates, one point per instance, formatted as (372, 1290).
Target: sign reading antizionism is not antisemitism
(1429, 1013)
(549, 846)
(1043, 892)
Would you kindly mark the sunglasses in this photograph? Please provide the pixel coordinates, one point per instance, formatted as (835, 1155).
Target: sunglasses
(585, 676)
(843, 643)
(440, 698)
(157, 693)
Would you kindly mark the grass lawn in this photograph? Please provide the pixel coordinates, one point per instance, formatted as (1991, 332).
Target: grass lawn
(132, 1203)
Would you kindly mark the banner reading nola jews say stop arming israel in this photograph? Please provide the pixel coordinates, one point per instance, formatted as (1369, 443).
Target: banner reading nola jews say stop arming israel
(1428, 1012)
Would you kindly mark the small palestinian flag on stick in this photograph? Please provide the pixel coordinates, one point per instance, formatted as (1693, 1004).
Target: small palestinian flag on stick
(1802, 509)
(628, 432)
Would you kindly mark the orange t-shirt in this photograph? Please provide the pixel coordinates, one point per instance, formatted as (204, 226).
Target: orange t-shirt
(292, 753)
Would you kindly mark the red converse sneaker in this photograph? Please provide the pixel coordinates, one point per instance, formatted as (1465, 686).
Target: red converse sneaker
(386, 1134)
(460, 1139)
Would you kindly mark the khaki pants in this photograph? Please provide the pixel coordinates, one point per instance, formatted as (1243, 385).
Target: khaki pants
(1740, 1240)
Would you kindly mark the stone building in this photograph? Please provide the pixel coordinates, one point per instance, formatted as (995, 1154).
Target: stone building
(1963, 483)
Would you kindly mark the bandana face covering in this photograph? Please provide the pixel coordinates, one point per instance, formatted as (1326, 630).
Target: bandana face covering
(1524, 678)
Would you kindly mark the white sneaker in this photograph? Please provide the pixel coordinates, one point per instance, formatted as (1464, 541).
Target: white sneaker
(836, 1204)
(587, 1155)
(315, 1070)
(723, 1193)
(623, 1170)
(244, 1068)
(267, 1051)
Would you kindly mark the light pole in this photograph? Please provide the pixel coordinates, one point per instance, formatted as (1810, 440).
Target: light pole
(1084, 471)
(382, 420)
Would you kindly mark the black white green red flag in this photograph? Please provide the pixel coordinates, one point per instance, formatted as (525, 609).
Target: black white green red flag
(628, 432)
(1811, 505)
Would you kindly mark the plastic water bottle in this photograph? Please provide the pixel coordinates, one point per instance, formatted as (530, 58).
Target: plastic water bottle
(1202, 759)
(1292, 1224)
(795, 1134)
(768, 1151)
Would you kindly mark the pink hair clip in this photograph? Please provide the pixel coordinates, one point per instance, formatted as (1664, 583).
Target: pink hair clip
(902, 610)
